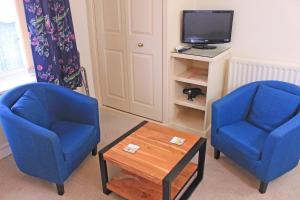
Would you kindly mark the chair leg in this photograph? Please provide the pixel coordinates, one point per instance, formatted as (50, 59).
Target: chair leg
(217, 153)
(263, 187)
(94, 152)
(60, 189)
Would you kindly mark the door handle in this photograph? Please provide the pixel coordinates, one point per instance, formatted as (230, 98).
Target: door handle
(140, 45)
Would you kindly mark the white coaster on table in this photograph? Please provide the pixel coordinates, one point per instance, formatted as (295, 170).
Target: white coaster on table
(177, 140)
(131, 148)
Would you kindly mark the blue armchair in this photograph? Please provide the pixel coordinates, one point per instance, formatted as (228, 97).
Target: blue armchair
(50, 129)
(258, 126)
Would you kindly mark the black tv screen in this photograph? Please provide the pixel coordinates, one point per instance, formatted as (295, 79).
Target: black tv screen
(207, 27)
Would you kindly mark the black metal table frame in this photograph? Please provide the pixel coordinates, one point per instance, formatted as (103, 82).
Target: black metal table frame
(199, 147)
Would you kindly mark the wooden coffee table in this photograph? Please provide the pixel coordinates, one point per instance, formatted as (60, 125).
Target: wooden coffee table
(159, 169)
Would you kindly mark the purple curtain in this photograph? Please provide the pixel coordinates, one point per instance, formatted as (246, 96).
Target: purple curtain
(53, 43)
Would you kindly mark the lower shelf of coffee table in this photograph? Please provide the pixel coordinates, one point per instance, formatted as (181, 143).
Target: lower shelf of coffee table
(133, 187)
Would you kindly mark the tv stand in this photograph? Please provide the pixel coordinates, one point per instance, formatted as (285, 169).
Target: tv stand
(203, 46)
(190, 71)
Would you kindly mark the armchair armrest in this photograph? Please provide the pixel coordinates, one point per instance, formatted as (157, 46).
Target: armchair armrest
(233, 107)
(37, 151)
(72, 106)
(281, 151)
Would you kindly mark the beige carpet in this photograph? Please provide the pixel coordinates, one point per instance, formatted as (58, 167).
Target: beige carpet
(223, 180)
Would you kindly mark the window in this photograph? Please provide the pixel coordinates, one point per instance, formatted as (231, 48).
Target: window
(10, 47)
(15, 53)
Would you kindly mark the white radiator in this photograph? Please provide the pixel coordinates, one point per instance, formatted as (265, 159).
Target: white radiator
(243, 71)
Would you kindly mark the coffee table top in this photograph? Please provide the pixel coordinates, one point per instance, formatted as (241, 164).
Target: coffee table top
(156, 156)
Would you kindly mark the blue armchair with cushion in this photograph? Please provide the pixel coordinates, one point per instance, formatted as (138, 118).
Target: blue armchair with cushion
(258, 126)
(50, 129)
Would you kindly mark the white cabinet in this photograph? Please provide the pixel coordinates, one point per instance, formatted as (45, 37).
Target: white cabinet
(198, 72)
(130, 46)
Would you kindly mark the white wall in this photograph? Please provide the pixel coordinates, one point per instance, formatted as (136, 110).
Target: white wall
(175, 8)
(267, 29)
(80, 21)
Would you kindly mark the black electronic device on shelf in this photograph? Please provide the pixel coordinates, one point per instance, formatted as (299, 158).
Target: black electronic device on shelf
(192, 93)
(203, 27)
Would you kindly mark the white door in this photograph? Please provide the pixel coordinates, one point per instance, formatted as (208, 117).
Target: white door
(113, 56)
(144, 48)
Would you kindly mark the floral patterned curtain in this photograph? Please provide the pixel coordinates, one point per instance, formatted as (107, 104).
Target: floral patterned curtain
(53, 43)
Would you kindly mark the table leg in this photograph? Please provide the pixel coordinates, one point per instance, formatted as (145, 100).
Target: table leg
(166, 190)
(201, 161)
(200, 171)
(104, 176)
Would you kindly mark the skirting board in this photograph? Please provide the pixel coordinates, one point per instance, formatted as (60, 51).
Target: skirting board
(4, 151)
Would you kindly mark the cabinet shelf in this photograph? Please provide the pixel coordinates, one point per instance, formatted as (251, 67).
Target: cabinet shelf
(198, 103)
(188, 119)
(191, 77)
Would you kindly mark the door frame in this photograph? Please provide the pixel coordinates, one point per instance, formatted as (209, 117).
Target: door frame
(96, 45)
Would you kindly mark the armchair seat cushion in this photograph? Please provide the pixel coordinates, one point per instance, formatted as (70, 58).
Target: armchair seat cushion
(245, 138)
(76, 140)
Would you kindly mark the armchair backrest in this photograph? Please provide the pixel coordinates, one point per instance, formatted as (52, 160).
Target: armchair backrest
(39, 90)
(274, 103)
(280, 85)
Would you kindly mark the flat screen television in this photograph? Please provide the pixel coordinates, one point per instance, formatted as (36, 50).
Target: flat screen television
(203, 27)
